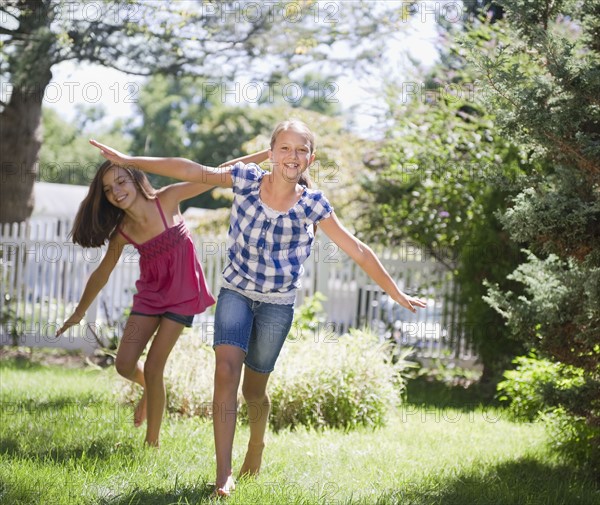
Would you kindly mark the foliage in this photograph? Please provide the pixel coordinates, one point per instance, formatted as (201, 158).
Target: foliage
(337, 382)
(314, 92)
(562, 206)
(181, 118)
(541, 389)
(574, 438)
(325, 380)
(437, 183)
(65, 156)
(534, 385)
(556, 311)
(142, 37)
(190, 117)
(447, 372)
(10, 322)
(189, 378)
(309, 317)
(345, 382)
(542, 77)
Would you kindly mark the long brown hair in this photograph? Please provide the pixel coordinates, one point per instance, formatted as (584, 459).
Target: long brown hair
(97, 219)
(301, 128)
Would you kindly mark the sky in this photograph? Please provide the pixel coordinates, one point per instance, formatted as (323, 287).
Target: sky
(83, 84)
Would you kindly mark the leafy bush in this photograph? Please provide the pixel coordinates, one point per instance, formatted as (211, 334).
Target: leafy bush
(542, 78)
(447, 371)
(338, 382)
(574, 438)
(309, 318)
(341, 382)
(540, 389)
(533, 386)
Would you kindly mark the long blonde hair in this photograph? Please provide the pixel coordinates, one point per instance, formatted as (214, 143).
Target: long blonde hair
(301, 128)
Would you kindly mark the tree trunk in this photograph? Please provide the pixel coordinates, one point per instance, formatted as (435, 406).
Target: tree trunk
(20, 141)
(20, 120)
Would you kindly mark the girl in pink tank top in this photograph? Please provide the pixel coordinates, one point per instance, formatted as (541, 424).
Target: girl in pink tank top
(122, 207)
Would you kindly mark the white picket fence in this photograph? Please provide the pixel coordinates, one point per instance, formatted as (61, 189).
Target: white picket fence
(42, 276)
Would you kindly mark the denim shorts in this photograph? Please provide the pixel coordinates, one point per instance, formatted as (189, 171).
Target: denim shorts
(178, 318)
(258, 328)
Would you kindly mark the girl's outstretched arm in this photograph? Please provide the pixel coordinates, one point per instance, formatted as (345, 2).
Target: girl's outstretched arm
(179, 168)
(368, 261)
(96, 282)
(184, 190)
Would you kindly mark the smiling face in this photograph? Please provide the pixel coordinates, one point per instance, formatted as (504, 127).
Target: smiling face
(119, 188)
(291, 154)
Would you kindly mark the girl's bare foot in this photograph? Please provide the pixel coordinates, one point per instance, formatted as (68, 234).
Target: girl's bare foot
(225, 490)
(252, 460)
(139, 414)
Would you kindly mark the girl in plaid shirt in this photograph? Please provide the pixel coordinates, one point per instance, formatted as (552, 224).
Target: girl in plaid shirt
(273, 220)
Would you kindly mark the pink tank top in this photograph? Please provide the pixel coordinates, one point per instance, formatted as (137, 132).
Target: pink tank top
(171, 278)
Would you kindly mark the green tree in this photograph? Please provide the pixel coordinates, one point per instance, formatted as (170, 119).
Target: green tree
(314, 92)
(190, 117)
(441, 175)
(65, 155)
(145, 37)
(544, 81)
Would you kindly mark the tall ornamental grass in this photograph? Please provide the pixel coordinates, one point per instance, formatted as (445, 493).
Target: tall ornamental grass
(340, 381)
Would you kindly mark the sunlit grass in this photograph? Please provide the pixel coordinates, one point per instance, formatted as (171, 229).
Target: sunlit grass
(66, 440)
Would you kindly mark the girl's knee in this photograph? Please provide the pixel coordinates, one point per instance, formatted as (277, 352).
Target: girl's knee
(227, 371)
(125, 368)
(254, 394)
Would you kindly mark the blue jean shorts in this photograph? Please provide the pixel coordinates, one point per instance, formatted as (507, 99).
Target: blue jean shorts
(258, 328)
(178, 318)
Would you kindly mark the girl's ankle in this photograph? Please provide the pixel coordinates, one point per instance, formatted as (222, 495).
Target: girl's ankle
(225, 482)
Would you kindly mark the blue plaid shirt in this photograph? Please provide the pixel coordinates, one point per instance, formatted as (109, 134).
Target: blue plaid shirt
(267, 248)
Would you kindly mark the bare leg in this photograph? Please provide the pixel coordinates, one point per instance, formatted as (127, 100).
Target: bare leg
(160, 349)
(137, 333)
(228, 370)
(254, 389)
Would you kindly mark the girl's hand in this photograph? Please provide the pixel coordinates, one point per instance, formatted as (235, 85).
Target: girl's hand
(72, 321)
(411, 302)
(111, 154)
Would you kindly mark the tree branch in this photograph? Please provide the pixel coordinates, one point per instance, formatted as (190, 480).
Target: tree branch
(105, 63)
(582, 162)
(2, 9)
(6, 31)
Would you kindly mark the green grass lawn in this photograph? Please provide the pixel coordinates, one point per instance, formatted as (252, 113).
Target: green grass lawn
(65, 440)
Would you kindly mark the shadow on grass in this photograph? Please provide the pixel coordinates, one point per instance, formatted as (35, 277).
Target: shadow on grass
(57, 406)
(19, 493)
(432, 393)
(18, 362)
(97, 449)
(34, 493)
(524, 481)
(185, 495)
